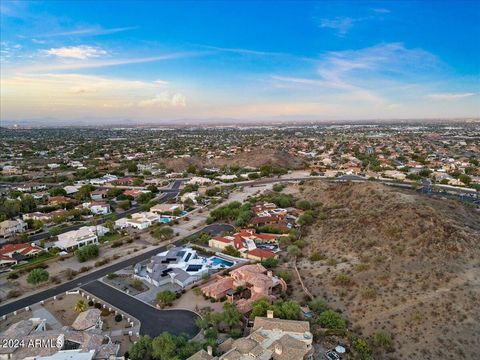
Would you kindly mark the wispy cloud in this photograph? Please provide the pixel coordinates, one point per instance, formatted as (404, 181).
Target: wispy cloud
(381, 11)
(242, 51)
(340, 24)
(449, 96)
(81, 52)
(88, 31)
(363, 75)
(165, 99)
(93, 63)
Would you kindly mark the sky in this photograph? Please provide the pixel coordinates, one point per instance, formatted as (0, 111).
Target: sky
(156, 61)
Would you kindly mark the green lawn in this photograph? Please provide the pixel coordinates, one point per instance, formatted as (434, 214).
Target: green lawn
(110, 237)
(35, 260)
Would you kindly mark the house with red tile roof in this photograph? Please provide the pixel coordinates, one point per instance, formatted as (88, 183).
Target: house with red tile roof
(12, 254)
(253, 277)
(251, 245)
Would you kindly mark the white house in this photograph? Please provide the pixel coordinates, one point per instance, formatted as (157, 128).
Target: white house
(197, 180)
(190, 195)
(97, 207)
(166, 208)
(77, 238)
(71, 189)
(141, 221)
(179, 265)
(10, 227)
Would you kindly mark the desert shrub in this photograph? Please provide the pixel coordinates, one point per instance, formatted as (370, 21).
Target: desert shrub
(368, 293)
(87, 252)
(270, 263)
(383, 340)
(165, 298)
(316, 256)
(37, 276)
(363, 350)
(111, 276)
(332, 320)
(13, 294)
(285, 275)
(318, 305)
(343, 280)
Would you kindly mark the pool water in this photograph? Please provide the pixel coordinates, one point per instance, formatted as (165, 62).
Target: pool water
(218, 261)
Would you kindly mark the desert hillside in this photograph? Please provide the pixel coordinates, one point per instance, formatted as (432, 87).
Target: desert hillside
(255, 158)
(397, 261)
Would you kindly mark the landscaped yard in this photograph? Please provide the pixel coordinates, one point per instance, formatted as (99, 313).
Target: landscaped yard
(110, 237)
(63, 310)
(35, 260)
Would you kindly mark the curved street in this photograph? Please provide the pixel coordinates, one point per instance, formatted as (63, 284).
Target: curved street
(153, 321)
(213, 229)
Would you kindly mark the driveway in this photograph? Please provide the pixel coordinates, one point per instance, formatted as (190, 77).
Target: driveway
(153, 321)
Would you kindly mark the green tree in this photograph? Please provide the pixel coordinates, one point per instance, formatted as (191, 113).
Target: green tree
(270, 263)
(54, 231)
(87, 252)
(230, 250)
(57, 192)
(303, 205)
(465, 179)
(243, 218)
(164, 346)
(192, 169)
(132, 167)
(84, 192)
(259, 308)
(231, 315)
(165, 298)
(37, 276)
(332, 320)
(27, 203)
(306, 219)
(294, 251)
(142, 349)
(152, 188)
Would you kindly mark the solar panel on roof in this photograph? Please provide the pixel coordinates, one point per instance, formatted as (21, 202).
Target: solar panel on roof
(194, 267)
(188, 257)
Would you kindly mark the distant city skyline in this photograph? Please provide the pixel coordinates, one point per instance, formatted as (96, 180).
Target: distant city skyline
(148, 62)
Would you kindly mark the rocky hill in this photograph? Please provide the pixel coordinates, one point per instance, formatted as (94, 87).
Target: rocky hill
(398, 261)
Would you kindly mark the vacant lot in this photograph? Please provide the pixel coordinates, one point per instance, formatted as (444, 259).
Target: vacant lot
(397, 261)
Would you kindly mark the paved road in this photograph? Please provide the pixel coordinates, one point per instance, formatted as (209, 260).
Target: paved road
(164, 197)
(81, 281)
(153, 321)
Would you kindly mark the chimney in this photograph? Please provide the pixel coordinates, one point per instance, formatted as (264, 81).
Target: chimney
(269, 274)
(209, 350)
(278, 349)
(270, 314)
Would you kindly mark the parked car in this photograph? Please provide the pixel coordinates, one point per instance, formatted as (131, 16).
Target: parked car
(332, 355)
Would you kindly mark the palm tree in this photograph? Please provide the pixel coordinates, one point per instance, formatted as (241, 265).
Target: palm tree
(80, 306)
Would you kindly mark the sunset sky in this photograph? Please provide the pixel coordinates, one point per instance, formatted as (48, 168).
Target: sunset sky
(161, 61)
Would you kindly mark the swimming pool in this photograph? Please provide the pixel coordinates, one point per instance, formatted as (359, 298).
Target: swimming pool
(219, 262)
